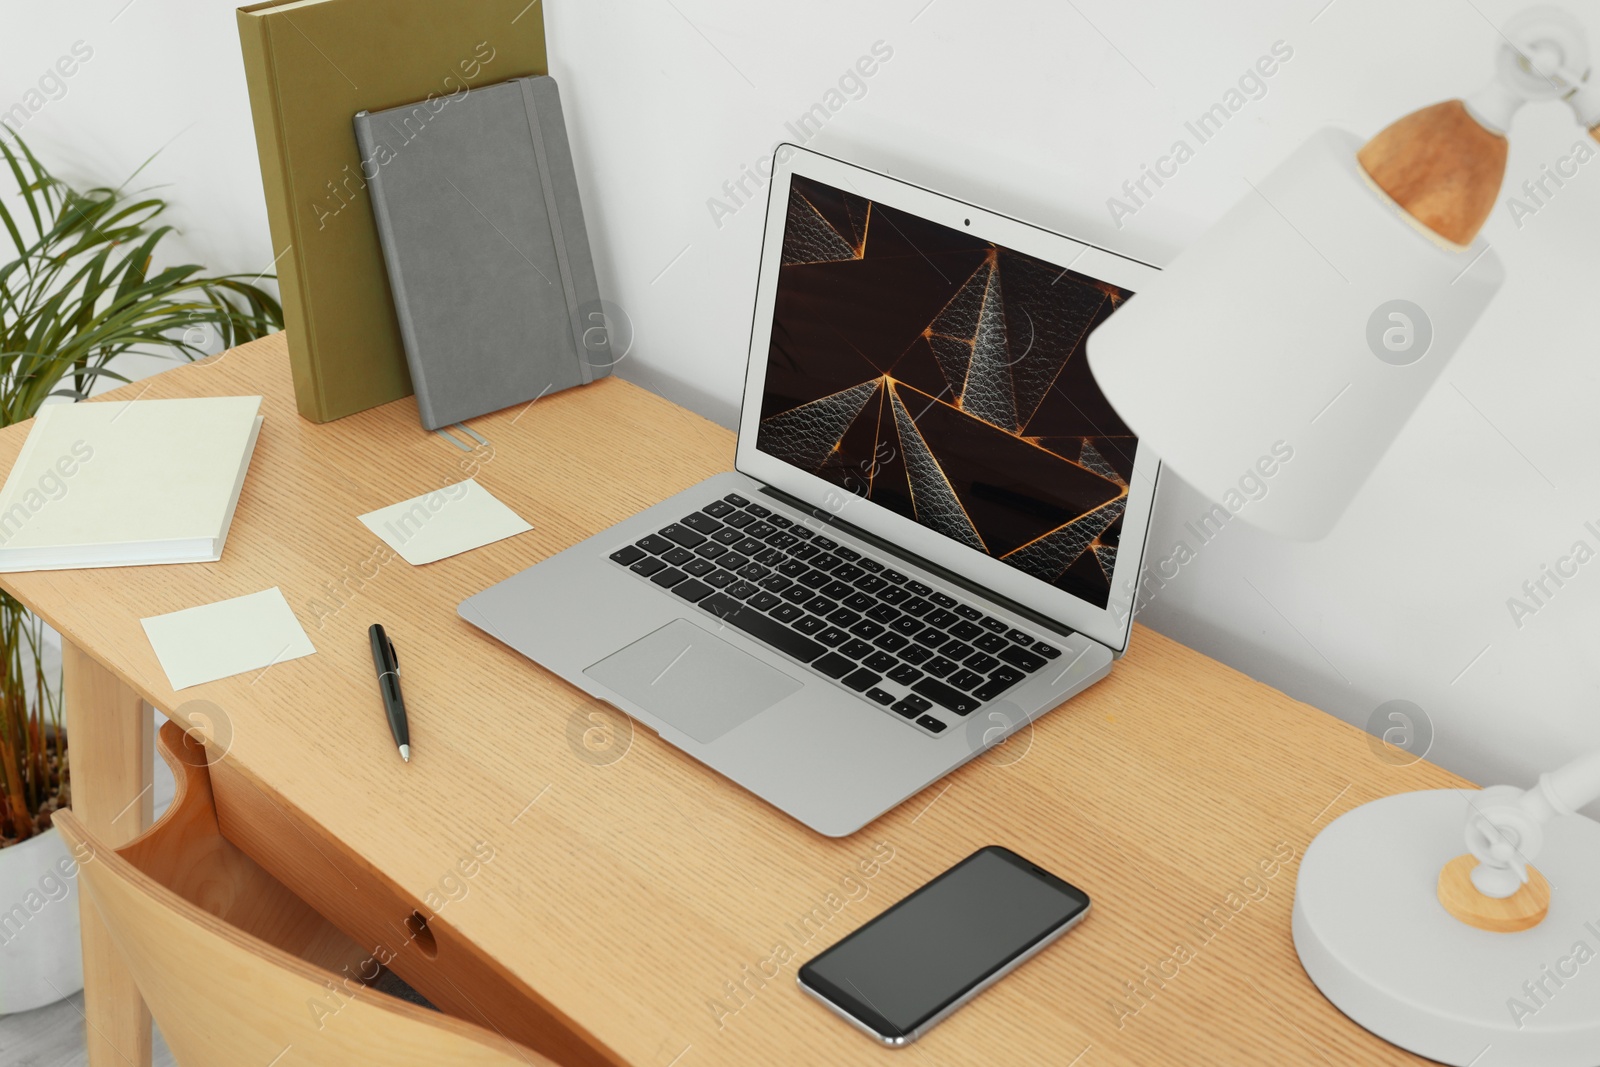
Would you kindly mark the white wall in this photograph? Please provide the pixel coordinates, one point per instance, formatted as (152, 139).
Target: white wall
(1035, 109)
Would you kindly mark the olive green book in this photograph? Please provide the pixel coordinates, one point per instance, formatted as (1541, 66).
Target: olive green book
(311, 65)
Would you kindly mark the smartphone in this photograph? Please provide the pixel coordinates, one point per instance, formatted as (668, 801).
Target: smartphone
(903, 972)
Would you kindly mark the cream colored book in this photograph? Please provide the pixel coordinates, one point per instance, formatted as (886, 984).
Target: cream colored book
(128, 483)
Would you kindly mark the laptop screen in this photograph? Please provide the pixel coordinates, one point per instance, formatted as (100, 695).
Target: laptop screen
(944, 377)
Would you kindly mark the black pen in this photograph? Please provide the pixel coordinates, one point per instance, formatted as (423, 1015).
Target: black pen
(387, 662)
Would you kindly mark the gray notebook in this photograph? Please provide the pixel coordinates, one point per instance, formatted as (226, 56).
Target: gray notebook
(477, 210)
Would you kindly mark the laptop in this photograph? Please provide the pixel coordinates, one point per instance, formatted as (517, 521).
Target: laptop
(932, 532)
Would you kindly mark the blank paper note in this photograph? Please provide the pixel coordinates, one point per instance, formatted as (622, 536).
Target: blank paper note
(445, 522)
(247, 633)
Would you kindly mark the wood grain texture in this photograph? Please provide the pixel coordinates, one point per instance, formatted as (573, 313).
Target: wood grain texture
(113, 769)
(1523, 910)
(657, 906)
(456, 975)
(186, 852)
(1441, 165)
(225, 997)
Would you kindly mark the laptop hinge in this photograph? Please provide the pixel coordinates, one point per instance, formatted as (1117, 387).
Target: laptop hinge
(891, 549)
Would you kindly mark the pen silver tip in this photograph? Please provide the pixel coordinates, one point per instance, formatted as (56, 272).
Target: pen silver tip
(405, 753)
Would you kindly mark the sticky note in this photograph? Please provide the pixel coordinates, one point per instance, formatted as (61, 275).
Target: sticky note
(247, 633)
(445, 522)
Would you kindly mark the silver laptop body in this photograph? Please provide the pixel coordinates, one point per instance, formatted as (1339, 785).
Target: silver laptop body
(933, 532)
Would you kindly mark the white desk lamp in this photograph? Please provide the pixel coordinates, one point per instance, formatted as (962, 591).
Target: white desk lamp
(1315, 315)
(1309, 322)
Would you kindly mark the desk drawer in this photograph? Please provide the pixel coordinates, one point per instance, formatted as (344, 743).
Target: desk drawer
(456, 975)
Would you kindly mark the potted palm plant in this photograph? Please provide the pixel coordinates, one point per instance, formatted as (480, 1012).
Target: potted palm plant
(81, 292)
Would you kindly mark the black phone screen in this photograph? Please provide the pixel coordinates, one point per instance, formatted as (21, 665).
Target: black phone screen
(928, 951)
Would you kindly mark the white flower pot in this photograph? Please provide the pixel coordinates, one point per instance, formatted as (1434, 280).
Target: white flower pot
(41, 960)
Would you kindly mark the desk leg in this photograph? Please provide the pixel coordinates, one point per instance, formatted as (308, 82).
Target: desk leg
(110, 739)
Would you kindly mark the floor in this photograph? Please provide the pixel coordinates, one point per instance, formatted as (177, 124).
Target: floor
(52, 1036)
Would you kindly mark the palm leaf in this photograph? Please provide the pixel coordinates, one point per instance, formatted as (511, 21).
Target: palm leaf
(84, 290)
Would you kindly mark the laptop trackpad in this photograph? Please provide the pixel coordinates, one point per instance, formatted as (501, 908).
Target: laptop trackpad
(695, 681)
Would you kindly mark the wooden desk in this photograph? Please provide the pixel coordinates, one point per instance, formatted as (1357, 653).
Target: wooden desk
(635, 907)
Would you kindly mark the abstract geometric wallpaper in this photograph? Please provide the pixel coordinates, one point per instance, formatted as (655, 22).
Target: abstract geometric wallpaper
(944, 378)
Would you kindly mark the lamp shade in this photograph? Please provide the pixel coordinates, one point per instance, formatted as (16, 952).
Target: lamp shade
(1275, 361)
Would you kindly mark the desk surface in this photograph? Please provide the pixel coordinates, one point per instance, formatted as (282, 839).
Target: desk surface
(646, 899)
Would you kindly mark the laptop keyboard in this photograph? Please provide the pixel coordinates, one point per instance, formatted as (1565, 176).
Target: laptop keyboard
(926, 656)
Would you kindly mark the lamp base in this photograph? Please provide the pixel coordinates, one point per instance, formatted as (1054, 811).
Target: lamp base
(1373, 936)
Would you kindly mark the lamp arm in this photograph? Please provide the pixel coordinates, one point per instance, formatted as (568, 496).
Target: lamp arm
(1585, 103)
(1505, 829)
(1570, 788)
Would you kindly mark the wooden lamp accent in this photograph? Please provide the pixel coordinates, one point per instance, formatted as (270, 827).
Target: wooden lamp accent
(1523, 910)
(1442, 166)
